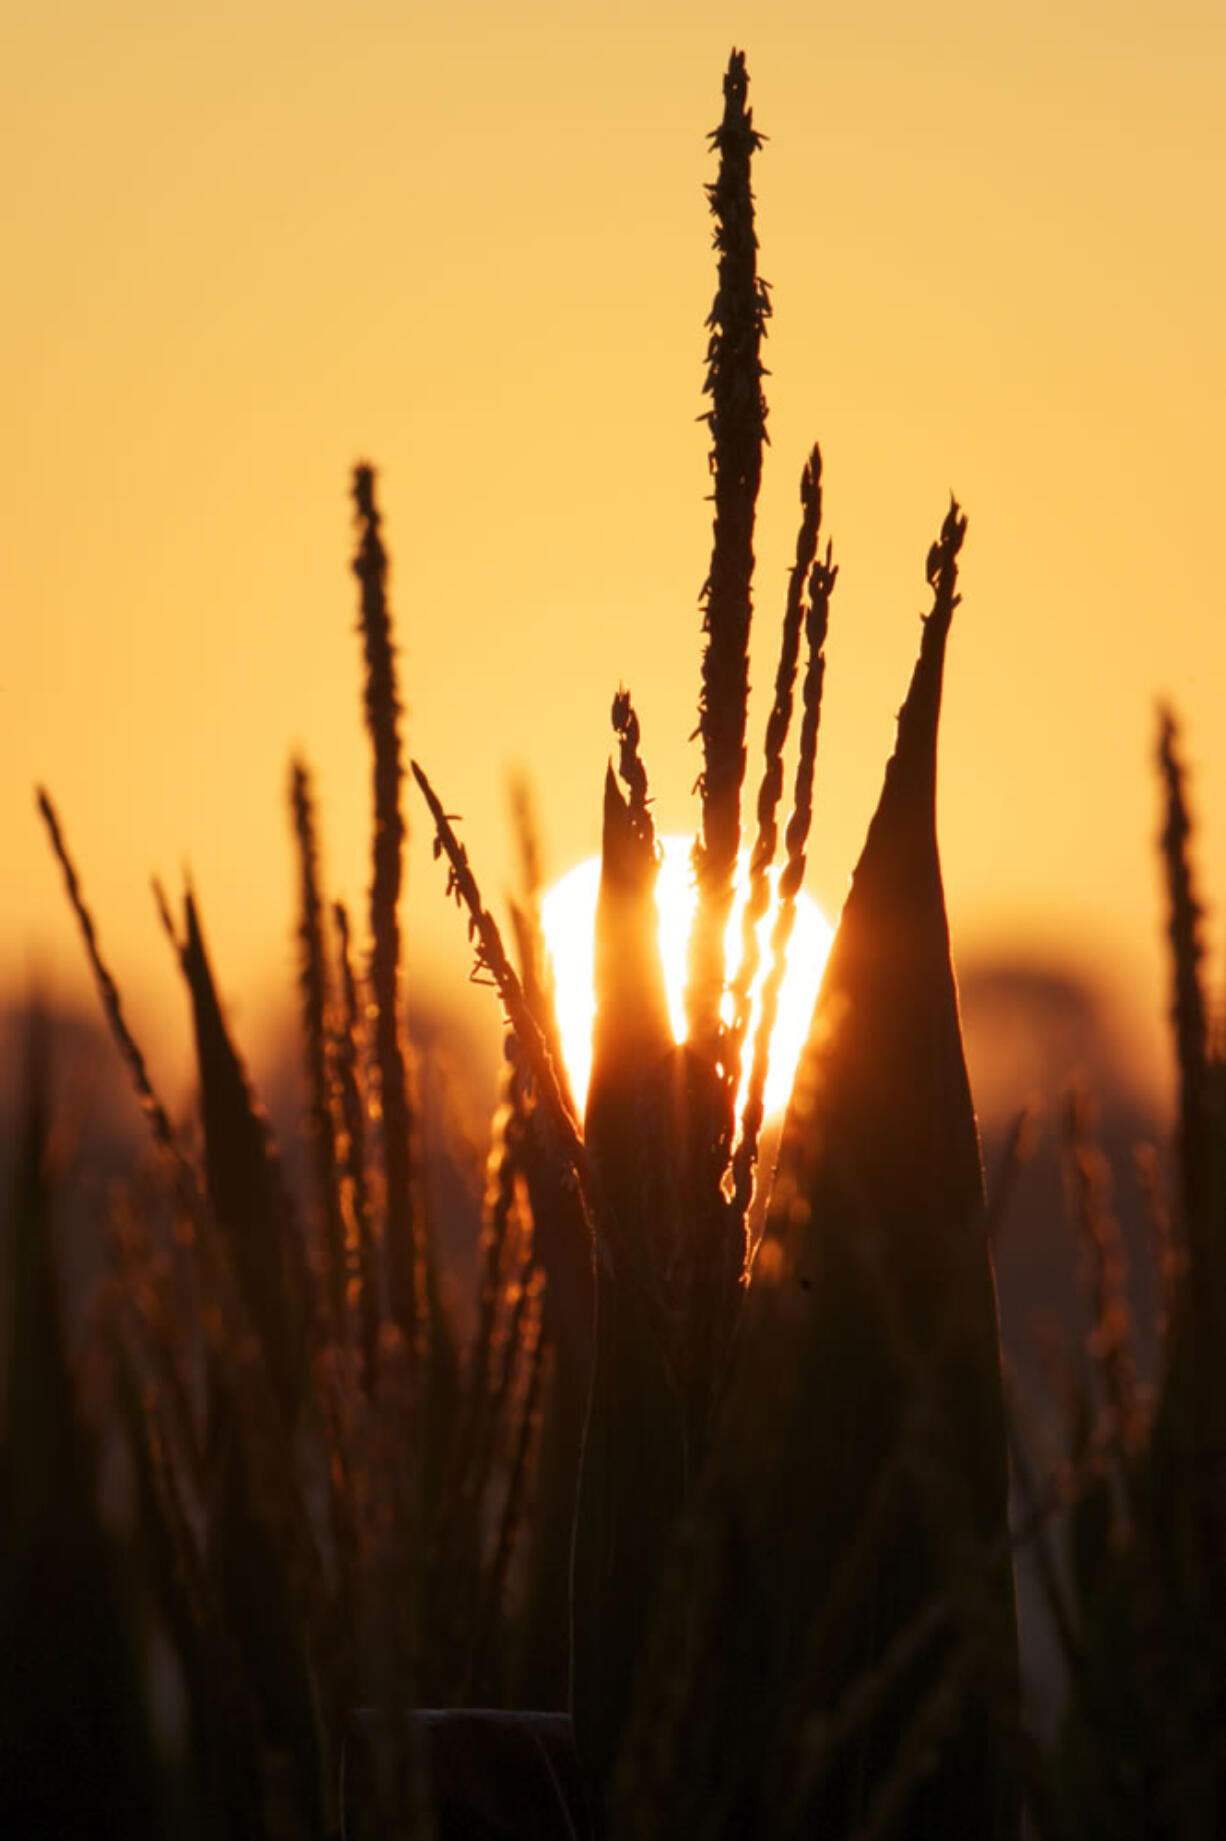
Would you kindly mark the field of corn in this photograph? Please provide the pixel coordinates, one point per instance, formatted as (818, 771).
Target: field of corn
(702, 1517)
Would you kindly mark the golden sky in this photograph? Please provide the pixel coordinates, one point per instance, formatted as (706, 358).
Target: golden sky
(247, 245)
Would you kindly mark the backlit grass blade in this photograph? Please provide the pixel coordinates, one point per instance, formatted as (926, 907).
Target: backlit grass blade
(816, 621)
(888, 1256)
(737, 420)
(770, 792)
(383, 711)
(313, 1006)
(1190, 1432)
(363, 1264)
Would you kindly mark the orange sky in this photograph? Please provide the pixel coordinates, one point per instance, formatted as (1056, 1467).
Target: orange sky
(471, 245)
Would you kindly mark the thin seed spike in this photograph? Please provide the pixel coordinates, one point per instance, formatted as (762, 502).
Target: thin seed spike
(108, 990)
(187, 1187)
(313, 991)
(771, 790)
(492, 958)
(737, 420)
(1188, 1002)
(383, 712)
(1190, 1423)
(817, 617)
(363, 1261)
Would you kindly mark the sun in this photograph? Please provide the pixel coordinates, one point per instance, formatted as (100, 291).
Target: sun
(568, 916)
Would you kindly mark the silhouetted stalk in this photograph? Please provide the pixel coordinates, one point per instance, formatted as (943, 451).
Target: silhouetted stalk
(382, 720)
(186, 1185)
(771, 790)
(1187, 951)
(817, 618)
(313, 992)
(151, 1105)
(737, 420)
(1190, 1424)
(647, 1139)
(362, 1263)
(1188, 1442)
(1191, 1037)
(492, 959)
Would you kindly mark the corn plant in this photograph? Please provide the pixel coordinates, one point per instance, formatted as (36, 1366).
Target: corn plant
(794, 1471)
(702, 1530)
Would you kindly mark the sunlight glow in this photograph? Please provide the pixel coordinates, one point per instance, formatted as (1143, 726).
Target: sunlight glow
(568, 915)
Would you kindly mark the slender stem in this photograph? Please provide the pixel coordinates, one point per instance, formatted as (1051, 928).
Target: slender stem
(383, 712)
(737, 420)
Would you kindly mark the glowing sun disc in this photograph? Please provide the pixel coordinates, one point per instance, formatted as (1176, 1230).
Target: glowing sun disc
(568, 916)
